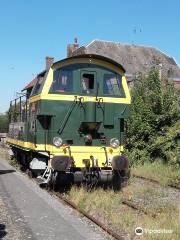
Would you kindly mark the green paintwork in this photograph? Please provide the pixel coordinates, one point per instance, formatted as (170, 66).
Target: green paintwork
(58, 110)
(67, 116)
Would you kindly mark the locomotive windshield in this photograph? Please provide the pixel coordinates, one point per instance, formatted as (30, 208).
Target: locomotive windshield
(63, 81)
(83, 78)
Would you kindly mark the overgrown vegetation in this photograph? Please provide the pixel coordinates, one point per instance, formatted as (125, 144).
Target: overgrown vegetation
(106, 206)
(4, 123)
(163, 173)
(154, 125)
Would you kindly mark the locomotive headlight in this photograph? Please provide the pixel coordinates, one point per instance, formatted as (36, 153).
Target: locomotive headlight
(114, 142)
(57, 141)
(88, 138)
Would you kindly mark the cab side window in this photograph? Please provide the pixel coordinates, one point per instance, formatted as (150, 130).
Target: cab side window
(38, 86)
(87, 82)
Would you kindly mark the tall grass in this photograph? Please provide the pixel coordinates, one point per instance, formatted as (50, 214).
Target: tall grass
(163, 173)
(107, 207)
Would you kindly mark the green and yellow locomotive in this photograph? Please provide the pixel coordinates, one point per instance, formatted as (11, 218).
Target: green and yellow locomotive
(71, 123)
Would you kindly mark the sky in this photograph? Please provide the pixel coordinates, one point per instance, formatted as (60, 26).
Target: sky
(30, 30)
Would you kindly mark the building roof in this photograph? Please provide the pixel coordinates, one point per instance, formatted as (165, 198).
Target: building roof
(133, 58)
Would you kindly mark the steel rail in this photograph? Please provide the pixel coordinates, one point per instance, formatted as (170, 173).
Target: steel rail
(155, 181)
(90, 217)
(135, 207)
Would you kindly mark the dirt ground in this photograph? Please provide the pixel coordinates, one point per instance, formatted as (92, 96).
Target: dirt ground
(7, 225)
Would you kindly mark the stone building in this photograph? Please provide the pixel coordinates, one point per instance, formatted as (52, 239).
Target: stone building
(133, 58)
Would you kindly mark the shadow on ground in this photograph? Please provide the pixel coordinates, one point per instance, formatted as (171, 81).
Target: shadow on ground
(6, 171)
(2, 231)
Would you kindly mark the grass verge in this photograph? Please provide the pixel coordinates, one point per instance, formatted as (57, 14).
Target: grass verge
(106, 206)
(162, 173)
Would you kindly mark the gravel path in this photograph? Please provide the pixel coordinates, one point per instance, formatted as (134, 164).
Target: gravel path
(28, 212)
(166, 194)
(152, 197)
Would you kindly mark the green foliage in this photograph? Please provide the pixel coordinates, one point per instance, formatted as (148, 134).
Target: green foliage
(14, 112)
(154, 125)
(4, 123)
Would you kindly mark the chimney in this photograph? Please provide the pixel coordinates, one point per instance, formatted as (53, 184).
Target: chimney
(49, 62)
(72, 47)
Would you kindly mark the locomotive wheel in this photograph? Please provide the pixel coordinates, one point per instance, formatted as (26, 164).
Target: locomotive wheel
(116, 180)
(21, 158)
(61, 181)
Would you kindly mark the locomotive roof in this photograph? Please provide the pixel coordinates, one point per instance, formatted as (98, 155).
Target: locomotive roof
(33, 82)
(95, 56)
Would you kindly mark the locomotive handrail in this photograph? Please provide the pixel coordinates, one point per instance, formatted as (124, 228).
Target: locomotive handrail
(106, 155)
(17, 111)
(65, 120)
(81, 99)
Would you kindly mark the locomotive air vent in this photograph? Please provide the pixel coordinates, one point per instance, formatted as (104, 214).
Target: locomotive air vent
(89, 127)
(70, 142)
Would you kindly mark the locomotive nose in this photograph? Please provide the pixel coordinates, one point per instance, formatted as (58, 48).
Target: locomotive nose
(90, 112)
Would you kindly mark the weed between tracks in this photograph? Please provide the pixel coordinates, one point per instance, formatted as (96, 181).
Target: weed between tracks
(106, 206)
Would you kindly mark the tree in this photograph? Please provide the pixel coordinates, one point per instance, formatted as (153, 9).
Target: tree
(154, 113)
(4, 122)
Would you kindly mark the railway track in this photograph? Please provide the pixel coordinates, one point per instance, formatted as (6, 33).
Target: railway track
(129, 204)
(60, 196)
(97, 222)
(155, 181)
(104, 227)
(90, 217)
(137, 208)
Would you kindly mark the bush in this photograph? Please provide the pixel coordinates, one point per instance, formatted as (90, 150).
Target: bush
(154, 125)
(4, 123)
